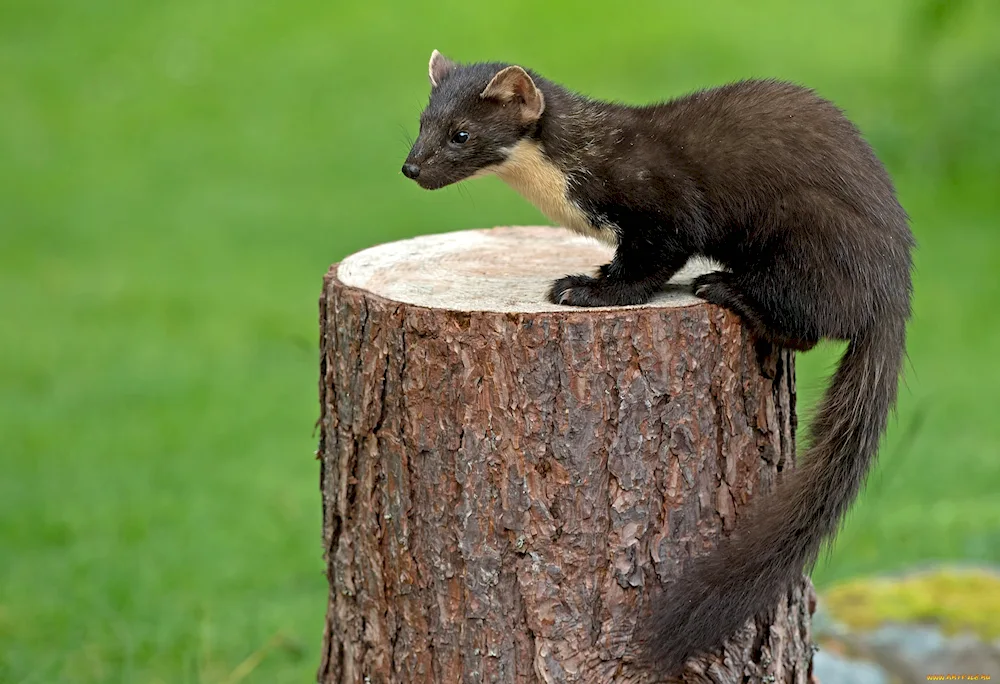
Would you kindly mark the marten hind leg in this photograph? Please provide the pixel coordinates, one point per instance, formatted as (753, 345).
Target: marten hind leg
(721, 288)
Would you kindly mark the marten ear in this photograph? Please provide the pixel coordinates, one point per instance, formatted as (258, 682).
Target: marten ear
(513, 84)
(439, 67)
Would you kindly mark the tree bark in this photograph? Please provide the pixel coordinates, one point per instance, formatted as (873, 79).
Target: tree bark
(507, 482)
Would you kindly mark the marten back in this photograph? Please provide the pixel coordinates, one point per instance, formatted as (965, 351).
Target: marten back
(754, 174)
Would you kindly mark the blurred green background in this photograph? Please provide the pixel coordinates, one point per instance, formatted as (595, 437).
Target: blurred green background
(175, 179)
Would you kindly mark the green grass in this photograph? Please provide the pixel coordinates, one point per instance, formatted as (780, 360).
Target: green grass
(176, 177)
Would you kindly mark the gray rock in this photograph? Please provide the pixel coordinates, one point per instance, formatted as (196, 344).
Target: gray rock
(899, 653)
(912, 652)
(833, 669)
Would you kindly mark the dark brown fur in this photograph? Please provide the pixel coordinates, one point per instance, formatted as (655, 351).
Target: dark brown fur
(777, 185)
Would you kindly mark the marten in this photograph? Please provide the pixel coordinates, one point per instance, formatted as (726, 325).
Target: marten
(769, 180)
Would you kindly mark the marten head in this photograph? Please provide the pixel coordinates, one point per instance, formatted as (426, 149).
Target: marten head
(476, 115)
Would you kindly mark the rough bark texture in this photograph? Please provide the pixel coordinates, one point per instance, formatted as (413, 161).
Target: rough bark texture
(503, 491)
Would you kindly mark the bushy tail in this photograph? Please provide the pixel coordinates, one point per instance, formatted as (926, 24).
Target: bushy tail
(781, 535)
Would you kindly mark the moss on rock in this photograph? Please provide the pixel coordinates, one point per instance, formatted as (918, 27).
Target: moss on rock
(956, 600)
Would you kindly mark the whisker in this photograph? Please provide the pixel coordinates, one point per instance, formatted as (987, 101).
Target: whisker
(467, 194)
(407, 138)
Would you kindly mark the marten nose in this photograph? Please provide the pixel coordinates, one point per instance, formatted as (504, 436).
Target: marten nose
(411, 170)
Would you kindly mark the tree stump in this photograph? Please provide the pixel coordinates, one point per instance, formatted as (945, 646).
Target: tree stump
(506, 482)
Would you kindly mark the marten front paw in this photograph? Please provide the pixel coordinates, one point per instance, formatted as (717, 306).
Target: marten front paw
(582, 290)
(573, 290)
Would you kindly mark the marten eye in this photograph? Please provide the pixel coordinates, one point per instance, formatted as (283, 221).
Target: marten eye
(461, 138)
